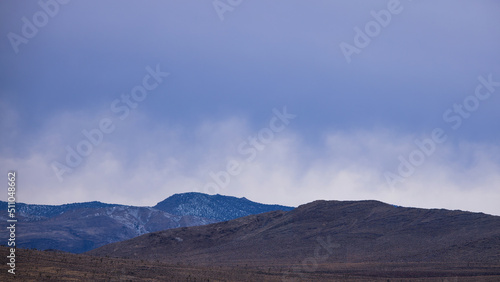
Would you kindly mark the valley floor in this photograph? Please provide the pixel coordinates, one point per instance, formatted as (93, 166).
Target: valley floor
(32, 265)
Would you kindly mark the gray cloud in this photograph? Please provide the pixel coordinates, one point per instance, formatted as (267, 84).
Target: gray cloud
(355, 119)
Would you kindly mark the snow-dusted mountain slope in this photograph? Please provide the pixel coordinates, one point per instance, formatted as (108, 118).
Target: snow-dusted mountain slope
(80, 227)
(217, 207)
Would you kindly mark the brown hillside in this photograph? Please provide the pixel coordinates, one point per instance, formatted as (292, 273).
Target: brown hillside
(338, 232)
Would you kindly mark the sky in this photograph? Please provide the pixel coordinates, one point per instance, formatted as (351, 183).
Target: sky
(282, 102)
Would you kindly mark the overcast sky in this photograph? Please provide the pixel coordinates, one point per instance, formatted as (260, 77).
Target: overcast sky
(277, 101)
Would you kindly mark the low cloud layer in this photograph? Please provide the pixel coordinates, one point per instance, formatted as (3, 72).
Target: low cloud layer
(141, 164)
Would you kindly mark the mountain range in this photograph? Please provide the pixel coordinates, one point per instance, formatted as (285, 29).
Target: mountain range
(323, 233)
(318, 241)
(80, 227)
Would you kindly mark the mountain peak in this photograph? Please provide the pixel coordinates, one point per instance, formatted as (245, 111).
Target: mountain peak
(217, 207)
